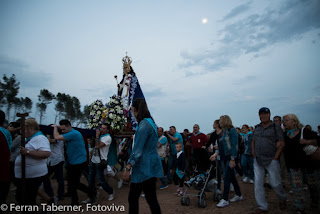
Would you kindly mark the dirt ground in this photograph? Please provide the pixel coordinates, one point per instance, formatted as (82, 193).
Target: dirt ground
(171, 203)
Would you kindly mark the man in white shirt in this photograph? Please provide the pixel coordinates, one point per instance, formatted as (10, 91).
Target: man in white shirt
(101, 150)
(55, 164)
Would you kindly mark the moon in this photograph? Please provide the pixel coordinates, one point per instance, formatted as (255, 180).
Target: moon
(204, 21)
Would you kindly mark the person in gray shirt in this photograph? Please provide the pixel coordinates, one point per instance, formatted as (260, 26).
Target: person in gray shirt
(267, 145)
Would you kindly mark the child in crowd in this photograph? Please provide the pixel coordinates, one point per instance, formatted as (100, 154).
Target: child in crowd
(199, 179)
(180, 164)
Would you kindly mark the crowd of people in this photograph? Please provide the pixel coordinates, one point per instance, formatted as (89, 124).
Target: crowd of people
(272, 154)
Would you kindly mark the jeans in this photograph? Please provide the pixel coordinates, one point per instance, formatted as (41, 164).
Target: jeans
(247, 160)
(163, 179)
(74, 175)
(149, 189)
(58, 173)
(170, 166)
(229, 176)
(275, 181)
(93, 171)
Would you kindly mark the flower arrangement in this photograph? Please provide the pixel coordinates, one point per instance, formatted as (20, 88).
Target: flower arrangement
(111, 113)
(115, 114)
(95, 117)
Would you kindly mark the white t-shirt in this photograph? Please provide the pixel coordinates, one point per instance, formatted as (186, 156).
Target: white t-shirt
(103, 150)
(57, 153)
(34, 167)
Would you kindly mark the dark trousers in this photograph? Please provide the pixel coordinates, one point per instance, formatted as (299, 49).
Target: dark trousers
(11, 173)
(74, 175)
(177, 180)
(170, 166)
(58, 173)
(94, 171)
(149, 189)
(229, 176)
(4, 190)
(164, 167)
(31, 190)
(220, 170)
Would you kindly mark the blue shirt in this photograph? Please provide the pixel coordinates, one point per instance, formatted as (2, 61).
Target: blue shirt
(164, 140)
(173, 150)
(8, 136)
(75, 147)
(144, 158)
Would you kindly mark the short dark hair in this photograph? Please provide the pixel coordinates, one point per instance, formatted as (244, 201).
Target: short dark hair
(141, 106)
(218, 122)
(107, 125)
(278, 117)
(65, 122)
(180, 144)
(2, 117)
(173, 127)
(245, 125)
(186, 130)
(15, 124)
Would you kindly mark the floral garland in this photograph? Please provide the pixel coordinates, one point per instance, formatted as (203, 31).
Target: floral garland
(112, 113)
(95, 117)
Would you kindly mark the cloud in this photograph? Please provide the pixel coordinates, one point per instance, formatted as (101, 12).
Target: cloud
(313, 100)
(237, 11)
(254, 33)
(309, 110)
(245, 80)
(154, 93)
(26, 75)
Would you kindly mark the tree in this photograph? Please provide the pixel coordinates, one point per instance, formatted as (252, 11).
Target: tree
(23, 105)
(17, 105)
(9, 90)
(61, 103)
(26, 104)
(85, 115)
(45, 98)
(68, 107)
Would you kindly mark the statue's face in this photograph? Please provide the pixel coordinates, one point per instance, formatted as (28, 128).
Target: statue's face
(126, 69)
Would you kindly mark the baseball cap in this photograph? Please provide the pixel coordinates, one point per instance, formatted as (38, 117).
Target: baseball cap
(264, 110)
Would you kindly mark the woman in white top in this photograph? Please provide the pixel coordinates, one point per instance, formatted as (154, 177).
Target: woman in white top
(36, 152)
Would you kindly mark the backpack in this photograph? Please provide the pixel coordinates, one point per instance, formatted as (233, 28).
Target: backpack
(162, 149)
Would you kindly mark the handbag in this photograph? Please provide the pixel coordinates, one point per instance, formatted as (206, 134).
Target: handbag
(103, 163)
(308, 149)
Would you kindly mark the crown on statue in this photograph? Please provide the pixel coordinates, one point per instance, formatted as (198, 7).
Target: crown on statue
(126, 61)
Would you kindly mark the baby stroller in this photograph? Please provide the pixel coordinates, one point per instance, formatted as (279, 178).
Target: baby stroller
(203, 180)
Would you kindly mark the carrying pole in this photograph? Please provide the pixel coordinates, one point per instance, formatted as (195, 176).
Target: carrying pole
(23, 157)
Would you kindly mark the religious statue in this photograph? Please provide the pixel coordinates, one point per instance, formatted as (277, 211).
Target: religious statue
(124, 85)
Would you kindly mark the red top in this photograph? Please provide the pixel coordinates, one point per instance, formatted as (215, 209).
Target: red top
(198, 140)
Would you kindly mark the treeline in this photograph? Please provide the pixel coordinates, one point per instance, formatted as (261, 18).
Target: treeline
(65, 106)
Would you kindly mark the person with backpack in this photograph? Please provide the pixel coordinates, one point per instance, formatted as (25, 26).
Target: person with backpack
(229, 150)
(162, 151)
(267, 145)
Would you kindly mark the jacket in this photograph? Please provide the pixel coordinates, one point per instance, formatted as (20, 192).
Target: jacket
(144, 158)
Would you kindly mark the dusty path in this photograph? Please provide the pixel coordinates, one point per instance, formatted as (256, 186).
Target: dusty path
(170, 203)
